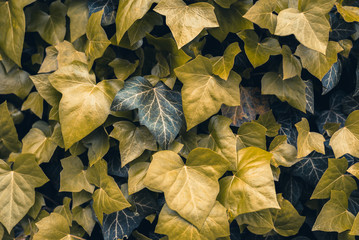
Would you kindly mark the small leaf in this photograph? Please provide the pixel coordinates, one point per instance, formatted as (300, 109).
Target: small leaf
(284, 154)
(203, 98)
(332, 77)
(136, 176)
(340, 28)
(97, 38)
(190, 189)
(73, 176)
(349, 13)
(8, 133)
(308, 141)
(334, 178)
(346, 139)
(291, 65)
(35, 103)
(84, 217)
(160, 109)
(222, 66)
(251, 134)
(133, 140)
(334, 216)
(268, 121)
(251, 188)
(45, 89)
(109, 7)
(50, 62)
(291, 90)
(53, 227)
(177, 228)
(78, 13)
(262, 14)
(98, 145)
(123, 68)
(186, 21)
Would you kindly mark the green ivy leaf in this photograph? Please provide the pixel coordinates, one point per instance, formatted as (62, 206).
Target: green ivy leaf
(203, 98)
(284, 154)
(308, 141)
(8, 133)
(97, 38)
(84, 217)
(291, 90)
(225, 3)
(318, 63)
(53, 227)
(84, 105)
(268, 121)
(123, 68)
(78, 13)
(286, 221)
(190, 189)
(49, 64)
(262, 14)
(51, 27)
(291, 65)
(176, 228)
(258, 52)
(308, 23)
(346, 139)
(222, 66)
(19, 181)
(334, 178)
(136, 176)
(35, 103)
(13, 32)
(186, 21)
(251, 134)
(139, 93)
(334, 216)
(133, 140)
(64, 210)
(349, 13)
(251, 188)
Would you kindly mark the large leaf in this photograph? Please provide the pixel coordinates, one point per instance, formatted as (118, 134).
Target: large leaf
(308, 23)
(290, 90)
(119, 225)
(203, 98)
(317, 63)
(176, 228)
(13, 22)
(128, 12)
(97, 38)
(51, 27)
(252, 104)
(186, 22)
(84, 105)
(308, 141)
(159, 108)
(334, 178)
(18, 183)
(190, 189)
(251, 188)
(262, 14)
(258, 51)
(8, 133)
(109, 7)
(286, 221)
(334, 216)
(133, 140)
(346, 139)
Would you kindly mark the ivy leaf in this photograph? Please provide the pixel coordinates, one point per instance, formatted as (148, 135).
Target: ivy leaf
(160, 109)
(291, 90)
(84, 217)
(51, 27)
(190, 189)
(349, 13)
(176, 228)
(334, 216)
(119, 225)
(73, 176)
(84, 105)
(317, 63)
(133, 140)
(128, 12)
(186, 22)
(346, 139)
(231, 19)
(258, 52)
(109, 7)
(268, 121)
(35, 103)
(64, 210)
(309, 96)
(311, 168)
(308, 141)
(8, 133)
(12, 38)
(252, 104)
(98, 145)
(284, 154)
(203, 98)
(222, 66)
(53, 227)
(97, 38)
(291, 65)
(292, 188)
(78, 13)
(143, 26)
(308, 23)
(262, 14)
(225, 3)
(21, 179)
(251, 134)
(136, 176)
(332, 77)
(286, 221)
(350, 104)
(340, 28)
(123, 68)
(15, 81)
(334, 178)
(108, 198)
(251, 188)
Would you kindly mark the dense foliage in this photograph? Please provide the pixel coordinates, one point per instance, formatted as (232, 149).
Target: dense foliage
(172, 119)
